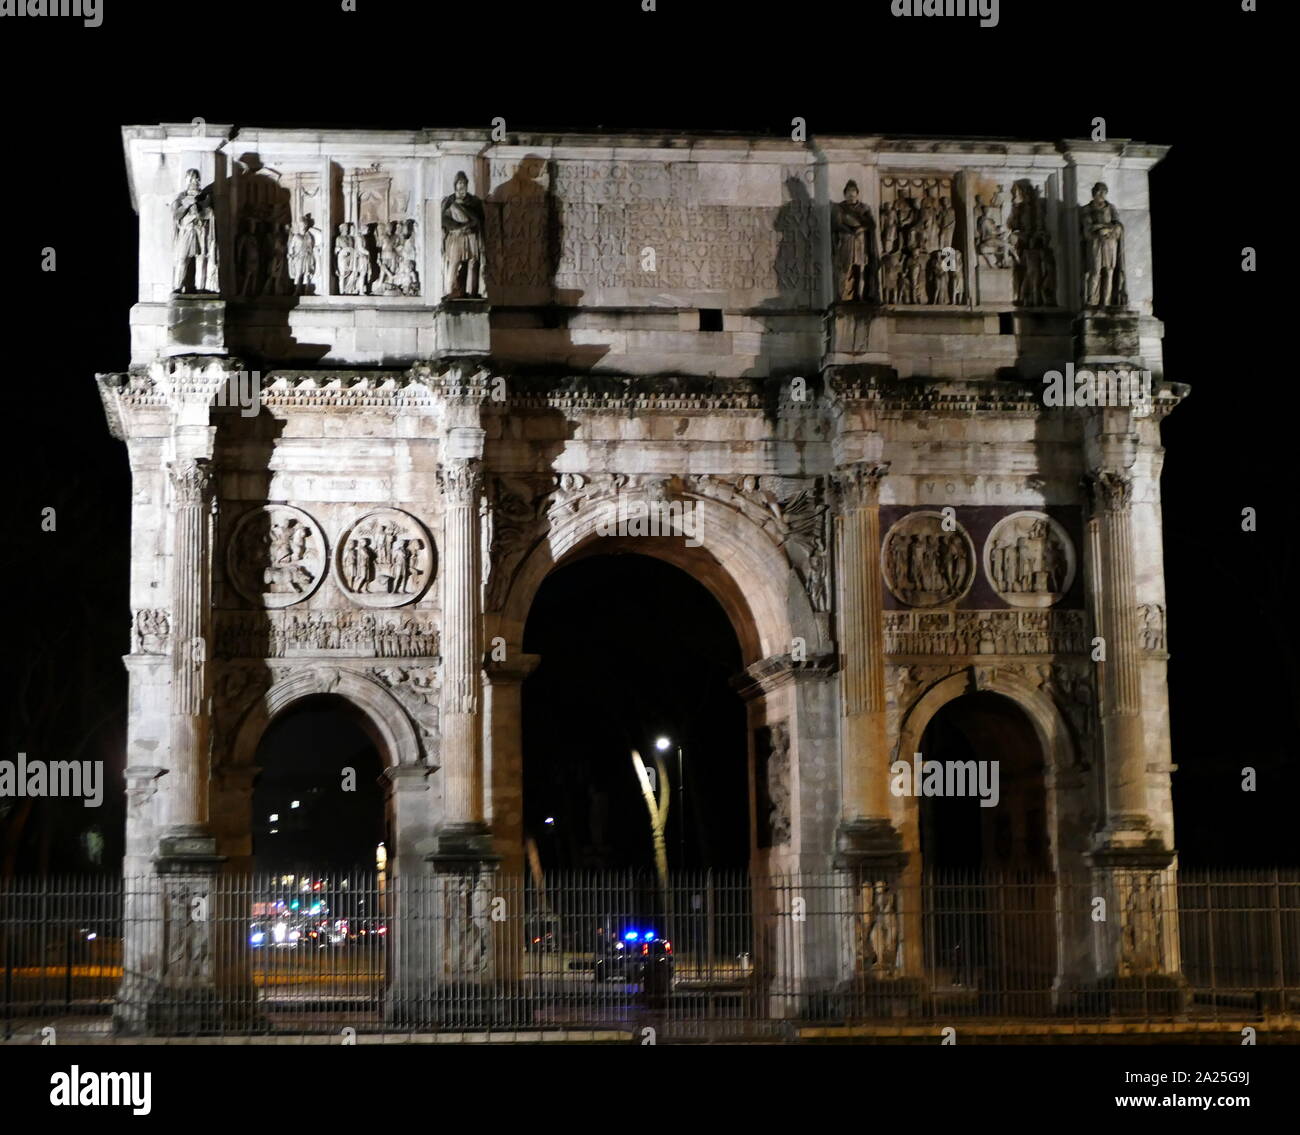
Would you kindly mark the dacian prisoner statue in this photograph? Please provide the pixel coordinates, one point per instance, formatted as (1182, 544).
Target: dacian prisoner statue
(194, 247)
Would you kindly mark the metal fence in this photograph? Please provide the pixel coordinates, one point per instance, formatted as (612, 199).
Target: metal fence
(714, 956)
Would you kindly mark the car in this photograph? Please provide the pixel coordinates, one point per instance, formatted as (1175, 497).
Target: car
(640, 956)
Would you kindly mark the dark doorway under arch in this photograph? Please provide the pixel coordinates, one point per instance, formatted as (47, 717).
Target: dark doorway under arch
(632, 648)
(303, 757)
(956, 832)
(989, 893)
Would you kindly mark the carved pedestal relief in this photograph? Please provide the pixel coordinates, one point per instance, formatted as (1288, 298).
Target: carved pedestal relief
(924, 563)
(920, 256)
(151, 631)
(384, 559)
(772, 753)
(276, 556)
(1029, 560)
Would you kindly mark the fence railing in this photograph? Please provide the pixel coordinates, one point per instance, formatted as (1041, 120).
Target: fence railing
(715, 954)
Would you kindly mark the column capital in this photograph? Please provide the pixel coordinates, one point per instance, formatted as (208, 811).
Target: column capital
(461, 480)
(192, 479)
(857, 485)
(1109, 490)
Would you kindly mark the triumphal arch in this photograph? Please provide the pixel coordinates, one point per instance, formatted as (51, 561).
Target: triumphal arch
(908, 393)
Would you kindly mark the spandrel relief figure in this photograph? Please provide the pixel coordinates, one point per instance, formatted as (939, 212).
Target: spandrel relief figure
(852, 226)
(462, 243)
(194, 240)
(1103, 240)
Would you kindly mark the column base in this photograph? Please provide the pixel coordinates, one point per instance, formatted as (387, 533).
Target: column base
(462, 329)
(457, 1005)
(187, 850)
(1138, 995)
(1107, 334)
(463, 847)
(867, 996)
(869, 843)
(196, 325)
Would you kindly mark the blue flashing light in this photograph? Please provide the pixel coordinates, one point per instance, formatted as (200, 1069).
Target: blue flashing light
(631, 936)
(257, 939)
(649, 935)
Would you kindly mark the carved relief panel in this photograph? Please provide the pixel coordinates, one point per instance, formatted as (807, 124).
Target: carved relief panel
(924, 563)
(384, 559)
(1029, 560)
(276, 556)
(377, 243)
(921, 237)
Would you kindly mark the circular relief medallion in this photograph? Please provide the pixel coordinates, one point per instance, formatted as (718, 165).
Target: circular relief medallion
(924, 564)
(384, 559)
(1029, 559)
(276, 555)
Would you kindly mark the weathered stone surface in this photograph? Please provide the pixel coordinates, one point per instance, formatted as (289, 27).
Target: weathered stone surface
(844, 391)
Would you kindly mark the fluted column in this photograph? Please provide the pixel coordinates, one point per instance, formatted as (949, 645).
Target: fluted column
(1126, 805)
(461, 751)
(191, 481)
(864, 756)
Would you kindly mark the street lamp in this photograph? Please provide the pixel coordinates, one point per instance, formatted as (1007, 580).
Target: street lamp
(663, 744)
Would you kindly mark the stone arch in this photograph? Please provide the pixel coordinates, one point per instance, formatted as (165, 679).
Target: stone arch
(382, 715)
(1059, 774)
(741, 566)
(748, 574)
(1049, 726)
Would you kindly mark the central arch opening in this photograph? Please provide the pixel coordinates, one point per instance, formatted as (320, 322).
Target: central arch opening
(632, 649)
(989, 885)
(318, 918)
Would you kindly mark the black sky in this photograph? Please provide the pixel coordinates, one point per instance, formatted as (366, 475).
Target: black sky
(1044, 73)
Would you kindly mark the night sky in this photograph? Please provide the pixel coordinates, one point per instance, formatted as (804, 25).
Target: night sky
(631, 646)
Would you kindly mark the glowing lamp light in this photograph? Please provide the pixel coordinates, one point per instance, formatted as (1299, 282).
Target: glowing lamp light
(549, 820)
(295, 804)
(662, 743)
